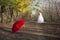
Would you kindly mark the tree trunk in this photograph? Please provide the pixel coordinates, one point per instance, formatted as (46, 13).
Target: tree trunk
(11, 12)
(2, 11)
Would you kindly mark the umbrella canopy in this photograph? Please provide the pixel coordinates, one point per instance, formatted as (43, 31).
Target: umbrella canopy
(17, 25)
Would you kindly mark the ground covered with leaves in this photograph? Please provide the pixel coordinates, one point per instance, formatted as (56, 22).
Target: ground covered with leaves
(6, 34)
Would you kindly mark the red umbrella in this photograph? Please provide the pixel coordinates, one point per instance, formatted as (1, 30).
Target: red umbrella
(17, 25)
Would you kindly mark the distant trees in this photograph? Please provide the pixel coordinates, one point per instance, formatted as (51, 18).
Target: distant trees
(51, 10)
(12, 8)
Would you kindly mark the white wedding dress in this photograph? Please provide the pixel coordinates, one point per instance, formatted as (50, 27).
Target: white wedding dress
(40, 18)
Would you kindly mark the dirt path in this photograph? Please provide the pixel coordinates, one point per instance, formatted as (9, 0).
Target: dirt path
(7, 35)
(31, 31)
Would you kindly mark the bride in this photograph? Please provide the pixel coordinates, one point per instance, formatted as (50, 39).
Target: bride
(40, 18)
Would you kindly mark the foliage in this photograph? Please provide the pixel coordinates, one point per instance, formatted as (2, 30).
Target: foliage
(20, 5)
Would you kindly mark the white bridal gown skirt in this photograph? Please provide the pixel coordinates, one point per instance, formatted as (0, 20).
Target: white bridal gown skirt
(40, 18)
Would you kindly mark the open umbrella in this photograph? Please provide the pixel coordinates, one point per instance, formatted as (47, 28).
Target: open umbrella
(17, 25)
